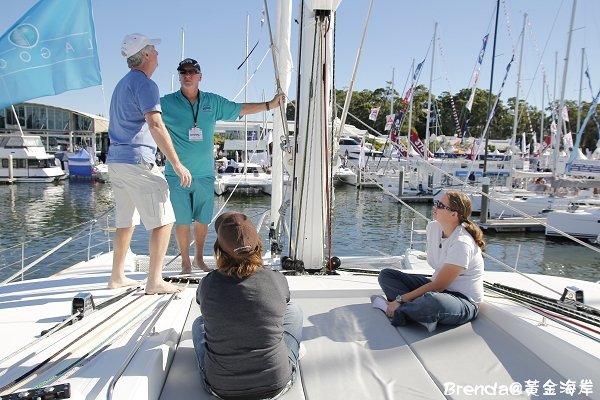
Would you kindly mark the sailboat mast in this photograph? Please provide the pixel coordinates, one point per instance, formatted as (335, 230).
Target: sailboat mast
(410, 101)
(426, 155)
(313, 124)
(562, 96)
(392, 93)
(282, 63)
(246, 95)
(489, 105)
(513, 139)
(542, 117)
(181, 59)
(182, 43)
(580, 84)
(356, 62)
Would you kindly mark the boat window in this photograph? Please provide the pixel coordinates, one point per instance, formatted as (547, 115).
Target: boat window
(19, 142)
(33, 141)
(39, 163)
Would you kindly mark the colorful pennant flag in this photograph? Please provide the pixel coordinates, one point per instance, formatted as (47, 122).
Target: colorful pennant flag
(389, 120)
(476, 73)
(374, 113)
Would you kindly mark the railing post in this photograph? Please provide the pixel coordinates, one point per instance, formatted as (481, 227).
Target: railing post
(22, 261)
(89, 241)
(108, 233)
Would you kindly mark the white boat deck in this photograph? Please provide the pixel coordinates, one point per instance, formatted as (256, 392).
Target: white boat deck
(352, 350)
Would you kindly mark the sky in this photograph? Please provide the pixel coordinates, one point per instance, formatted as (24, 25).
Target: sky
(398, 32)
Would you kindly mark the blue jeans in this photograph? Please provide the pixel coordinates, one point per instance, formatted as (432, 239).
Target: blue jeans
(447, 307)
(292, 336)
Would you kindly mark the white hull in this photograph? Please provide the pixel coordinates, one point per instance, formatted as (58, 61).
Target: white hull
(581, 223)
(30, 161)
(345, 175)
(260, 182)
(100, 173)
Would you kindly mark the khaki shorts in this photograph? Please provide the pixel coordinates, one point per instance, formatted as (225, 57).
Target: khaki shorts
(140, 190)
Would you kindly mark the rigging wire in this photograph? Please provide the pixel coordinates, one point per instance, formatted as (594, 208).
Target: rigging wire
(325, 26)
(296, 128)
(143, 337)
(98, 349)
(24, 378)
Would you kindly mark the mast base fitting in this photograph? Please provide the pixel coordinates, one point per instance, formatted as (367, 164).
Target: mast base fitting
(572, 295)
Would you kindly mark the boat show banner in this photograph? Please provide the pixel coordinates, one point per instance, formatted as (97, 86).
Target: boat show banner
(49, 50)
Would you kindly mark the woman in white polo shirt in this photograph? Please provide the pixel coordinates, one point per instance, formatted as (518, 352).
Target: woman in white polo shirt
(454, 251)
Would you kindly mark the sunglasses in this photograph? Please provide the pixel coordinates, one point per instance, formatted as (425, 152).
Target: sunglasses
(441, 206)
(189, 72)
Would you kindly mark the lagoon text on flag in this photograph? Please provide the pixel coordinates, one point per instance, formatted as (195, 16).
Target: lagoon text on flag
(49, 50)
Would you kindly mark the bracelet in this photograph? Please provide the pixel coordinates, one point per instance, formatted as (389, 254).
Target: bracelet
(267, 104)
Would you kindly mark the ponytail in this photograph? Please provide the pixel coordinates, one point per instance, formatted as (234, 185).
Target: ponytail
(475, 232)
(461, 204)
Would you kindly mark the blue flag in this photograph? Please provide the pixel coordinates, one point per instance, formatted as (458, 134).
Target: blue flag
(50, 50)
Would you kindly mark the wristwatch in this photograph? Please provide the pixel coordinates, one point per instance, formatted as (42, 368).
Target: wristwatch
(399, 299)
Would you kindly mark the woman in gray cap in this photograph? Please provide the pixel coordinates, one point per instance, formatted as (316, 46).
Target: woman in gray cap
(248, 337)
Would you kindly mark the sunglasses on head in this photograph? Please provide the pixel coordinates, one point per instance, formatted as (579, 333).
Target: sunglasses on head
(441, 206)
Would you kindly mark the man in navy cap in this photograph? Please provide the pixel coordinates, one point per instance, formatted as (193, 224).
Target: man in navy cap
(190, 116)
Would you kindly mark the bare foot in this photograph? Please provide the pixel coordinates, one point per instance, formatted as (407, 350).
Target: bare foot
(118, 283)
(163, 288)
(186, 270)
(201, 265)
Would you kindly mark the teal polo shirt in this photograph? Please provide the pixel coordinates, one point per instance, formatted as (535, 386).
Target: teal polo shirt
(178, 116)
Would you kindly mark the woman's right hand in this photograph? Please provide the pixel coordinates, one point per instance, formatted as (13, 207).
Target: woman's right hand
(392, 306)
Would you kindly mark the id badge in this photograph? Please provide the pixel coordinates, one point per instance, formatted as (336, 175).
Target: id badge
(195, 134)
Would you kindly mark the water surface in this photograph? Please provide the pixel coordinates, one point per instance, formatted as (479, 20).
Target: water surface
(365, 222)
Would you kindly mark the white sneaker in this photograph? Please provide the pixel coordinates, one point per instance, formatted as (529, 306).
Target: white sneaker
(431, 326)
(379, 302)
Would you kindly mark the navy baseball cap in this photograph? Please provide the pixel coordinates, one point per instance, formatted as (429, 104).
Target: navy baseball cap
(189, 61)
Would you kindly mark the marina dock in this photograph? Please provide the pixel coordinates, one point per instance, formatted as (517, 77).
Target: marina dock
(512, 225)
(417, 199)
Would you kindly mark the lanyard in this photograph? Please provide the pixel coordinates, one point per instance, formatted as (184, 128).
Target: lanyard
(194, 113)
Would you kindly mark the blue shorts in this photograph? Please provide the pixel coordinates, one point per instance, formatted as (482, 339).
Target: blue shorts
(194, 203)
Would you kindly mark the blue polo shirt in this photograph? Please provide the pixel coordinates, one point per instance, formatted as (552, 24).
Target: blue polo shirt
(178, 116)
(130, 138)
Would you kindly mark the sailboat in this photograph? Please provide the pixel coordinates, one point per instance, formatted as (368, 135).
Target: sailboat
(67, 336)
(246, 174)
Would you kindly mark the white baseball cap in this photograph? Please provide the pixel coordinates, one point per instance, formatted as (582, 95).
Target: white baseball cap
(135, 42)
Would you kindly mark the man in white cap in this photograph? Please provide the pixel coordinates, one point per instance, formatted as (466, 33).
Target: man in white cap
(140, 190)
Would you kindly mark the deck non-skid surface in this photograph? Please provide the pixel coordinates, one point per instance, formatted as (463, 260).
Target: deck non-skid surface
(354, 353)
